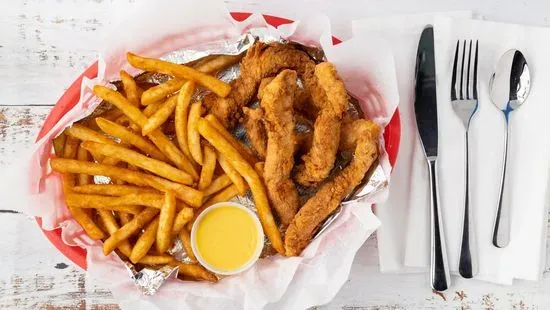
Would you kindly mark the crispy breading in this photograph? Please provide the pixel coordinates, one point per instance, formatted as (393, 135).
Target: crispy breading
(261, 61)
(328, 198)
(255, 130)
(326, 135)
(277, 103)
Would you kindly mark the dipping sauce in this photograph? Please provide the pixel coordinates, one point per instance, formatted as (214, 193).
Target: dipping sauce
(227, 238)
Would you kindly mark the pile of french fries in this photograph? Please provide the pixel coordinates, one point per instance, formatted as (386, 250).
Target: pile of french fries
(158, 186)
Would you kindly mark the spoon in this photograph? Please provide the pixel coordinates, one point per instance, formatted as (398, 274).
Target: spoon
(509, 87)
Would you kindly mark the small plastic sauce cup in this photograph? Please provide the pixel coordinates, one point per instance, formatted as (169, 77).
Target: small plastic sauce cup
(227, 238)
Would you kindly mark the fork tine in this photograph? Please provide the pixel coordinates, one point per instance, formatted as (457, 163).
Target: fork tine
(453, 79)
(462, 72)
(468, 92)
(475, 71)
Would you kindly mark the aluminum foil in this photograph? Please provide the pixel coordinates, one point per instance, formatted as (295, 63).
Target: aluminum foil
(149, 280)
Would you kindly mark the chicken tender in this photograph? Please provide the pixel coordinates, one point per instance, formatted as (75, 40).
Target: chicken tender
(326, 135)
(328, 198)
(277, 103)
(261, 61)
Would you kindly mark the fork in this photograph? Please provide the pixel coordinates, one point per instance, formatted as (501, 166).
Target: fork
(464, 99)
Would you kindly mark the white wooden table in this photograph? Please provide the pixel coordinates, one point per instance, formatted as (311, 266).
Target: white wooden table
(45, 44)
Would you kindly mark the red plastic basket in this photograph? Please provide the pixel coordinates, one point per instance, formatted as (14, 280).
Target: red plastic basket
(69, 99)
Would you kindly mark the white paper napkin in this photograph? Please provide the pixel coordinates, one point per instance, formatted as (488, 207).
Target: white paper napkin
(524, 257)
(402, 32)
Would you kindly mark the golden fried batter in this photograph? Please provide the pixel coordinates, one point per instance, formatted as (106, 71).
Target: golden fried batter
(255, 130)
(277, 103)
(328, 198)
(326, 135)
(261, 61)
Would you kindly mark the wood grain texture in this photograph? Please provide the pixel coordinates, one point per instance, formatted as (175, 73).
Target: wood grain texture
(45, 45)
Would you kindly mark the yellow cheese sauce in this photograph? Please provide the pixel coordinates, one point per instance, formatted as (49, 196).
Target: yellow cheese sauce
(227, 238)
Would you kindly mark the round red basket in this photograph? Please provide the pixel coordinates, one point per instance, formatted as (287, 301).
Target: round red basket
(69, 99)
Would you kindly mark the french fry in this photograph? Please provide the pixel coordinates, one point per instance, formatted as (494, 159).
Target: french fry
(217, 185)
(185, 237)
(112, 114)
(132, 157)
(259, 167)
(182, 218)
(193, 136)
(110, 202)
(145, 241)
(69, 151)
(124, 246)
(82, 154)
(89, 226)
(157, 260)
(218, 63)
(157, 137)
(189, 195)
(153, 108)
(160, 116)
(111, 226)
(249, 174)
(207, 171)
(130, 88)
(166, 217)
(59, 144)
(76, 166)
(112, 189)
(225, 195)
(232, 173)
(245, 152)
(86, 134)
(161, 91)
(195, 271)
(124, 218)
(215, 85)
(122, 120)
(68, 178)
(129, 137)
(180, 117)
(137, 223)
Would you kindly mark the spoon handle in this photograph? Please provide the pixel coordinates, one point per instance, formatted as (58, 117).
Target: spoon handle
(501, 231)
(467, 266)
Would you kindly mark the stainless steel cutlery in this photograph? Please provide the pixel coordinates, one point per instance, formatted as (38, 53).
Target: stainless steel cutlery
(509, 87)
(464, 99)
(425, 108)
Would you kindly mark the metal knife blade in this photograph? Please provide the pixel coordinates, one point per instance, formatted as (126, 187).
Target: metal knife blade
(425, 101)
(425, 108)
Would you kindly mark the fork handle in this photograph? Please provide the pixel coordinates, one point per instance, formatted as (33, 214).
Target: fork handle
(439, 271)
(467, 266)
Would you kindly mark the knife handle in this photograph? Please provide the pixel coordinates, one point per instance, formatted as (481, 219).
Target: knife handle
(439, 271)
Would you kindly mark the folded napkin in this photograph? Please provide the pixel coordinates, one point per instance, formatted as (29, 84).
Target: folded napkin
(402, 32)
(408, 243)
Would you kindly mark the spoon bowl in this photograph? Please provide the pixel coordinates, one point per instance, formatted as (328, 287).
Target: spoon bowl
(510, 84)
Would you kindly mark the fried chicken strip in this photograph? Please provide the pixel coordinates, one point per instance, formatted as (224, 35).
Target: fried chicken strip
(326, 135)
(255, 130)
(277, 103)
(261, 60)
(328, 198)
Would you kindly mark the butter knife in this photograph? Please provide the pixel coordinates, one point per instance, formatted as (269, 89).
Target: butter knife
(425, 108)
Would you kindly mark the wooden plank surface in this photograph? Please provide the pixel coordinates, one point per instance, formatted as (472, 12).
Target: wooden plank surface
(45, 44)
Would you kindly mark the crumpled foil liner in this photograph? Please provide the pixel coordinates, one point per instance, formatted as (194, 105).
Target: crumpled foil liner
(149, 280)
